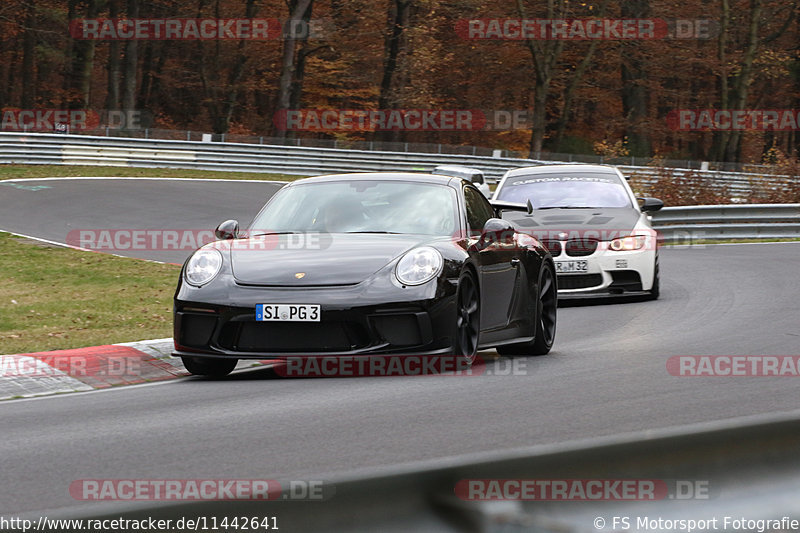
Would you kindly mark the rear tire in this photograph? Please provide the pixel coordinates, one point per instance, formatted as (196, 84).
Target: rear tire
(215, 368)
(546, 313)
(468, 317)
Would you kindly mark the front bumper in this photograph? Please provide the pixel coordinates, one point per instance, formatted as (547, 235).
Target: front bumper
(348, 326)
(609, 273)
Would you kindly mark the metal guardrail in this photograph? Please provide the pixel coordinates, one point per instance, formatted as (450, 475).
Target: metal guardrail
(399, 146)
(746, 468)
(299, 160)
(678, 224)
(690, 224)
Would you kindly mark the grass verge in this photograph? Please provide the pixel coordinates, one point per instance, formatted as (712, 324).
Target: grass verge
(55, 298)
(65, 171)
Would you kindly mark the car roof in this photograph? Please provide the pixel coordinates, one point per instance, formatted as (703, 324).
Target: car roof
(457, 169)
(384, 176)
(548, 169)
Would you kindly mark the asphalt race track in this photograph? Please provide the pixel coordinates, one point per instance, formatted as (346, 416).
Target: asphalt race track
(52, 209)
(607, 374)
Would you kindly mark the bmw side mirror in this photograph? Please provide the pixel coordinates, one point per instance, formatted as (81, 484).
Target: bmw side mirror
(650, 205)
(227, 230)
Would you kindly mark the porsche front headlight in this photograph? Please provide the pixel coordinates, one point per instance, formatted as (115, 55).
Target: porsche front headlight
(203, 266)
(419, 266)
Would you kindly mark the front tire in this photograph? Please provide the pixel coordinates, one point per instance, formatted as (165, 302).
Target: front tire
(546, 314)
(214, 368)
(655, 291)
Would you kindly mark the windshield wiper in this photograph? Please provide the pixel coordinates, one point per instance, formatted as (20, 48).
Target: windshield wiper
(567, 207)
(276, 233)
(383, 232)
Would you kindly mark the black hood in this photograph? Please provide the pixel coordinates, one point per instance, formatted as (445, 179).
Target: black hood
(339, 259)
(607, 222)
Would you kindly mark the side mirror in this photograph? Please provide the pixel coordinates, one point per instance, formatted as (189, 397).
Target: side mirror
(497, 230)
(650, 205)
(227, 230)
(477, 179)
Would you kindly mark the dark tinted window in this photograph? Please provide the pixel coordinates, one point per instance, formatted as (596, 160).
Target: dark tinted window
(361, 206)
(478, 209)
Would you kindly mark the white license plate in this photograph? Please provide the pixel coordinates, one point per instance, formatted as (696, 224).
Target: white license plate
(563, 267)
(287, 313)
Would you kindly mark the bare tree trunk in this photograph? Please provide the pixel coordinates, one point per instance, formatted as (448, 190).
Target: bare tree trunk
(300, 63)
(29, 56)
(569, 93)
(544, 57)
(112, 101)
(131, 66)
(66, 84)
(83, 64)
(741, 83)
(574, 82)
(298, 9)
(720, 138)
(397, 20)
(634, 78)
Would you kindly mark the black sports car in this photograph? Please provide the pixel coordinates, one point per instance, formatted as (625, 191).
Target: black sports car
(362, 265)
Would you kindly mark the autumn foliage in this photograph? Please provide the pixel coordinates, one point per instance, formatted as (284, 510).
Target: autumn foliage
(584, 96)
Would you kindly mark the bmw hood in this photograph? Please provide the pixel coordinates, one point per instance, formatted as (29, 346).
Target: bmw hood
(606, 222)
(305, 260)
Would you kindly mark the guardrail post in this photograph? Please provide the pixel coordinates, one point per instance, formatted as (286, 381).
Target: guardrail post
(147, 133)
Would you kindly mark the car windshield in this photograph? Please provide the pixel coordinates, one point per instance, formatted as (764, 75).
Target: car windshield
(567, 190)
(361, 206)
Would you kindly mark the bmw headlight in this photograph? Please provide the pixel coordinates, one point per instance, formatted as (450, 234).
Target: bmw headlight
(203, 266)
(627, 244)
(419, 266)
